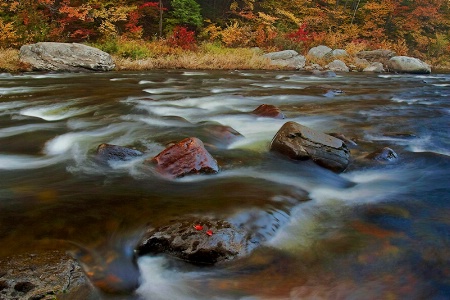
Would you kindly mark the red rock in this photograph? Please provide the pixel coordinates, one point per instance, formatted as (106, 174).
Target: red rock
(188, 156)
(270, 111)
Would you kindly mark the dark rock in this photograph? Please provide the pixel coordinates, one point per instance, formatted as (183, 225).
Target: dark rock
(73, 57)
(270, 111)
(386, 154)
(201, 241)
(188, 156)
(350, 144)
(24, 286)
(3, 285)
(107, 152)
(46, 275)
(302, 143)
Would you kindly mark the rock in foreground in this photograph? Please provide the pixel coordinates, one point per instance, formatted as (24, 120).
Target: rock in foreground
(188, 156)
(72, 57)
(197, 241)
(302, 143)
(43, 276)
(385, 154)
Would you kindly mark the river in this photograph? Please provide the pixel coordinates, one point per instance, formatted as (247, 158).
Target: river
(376, 231)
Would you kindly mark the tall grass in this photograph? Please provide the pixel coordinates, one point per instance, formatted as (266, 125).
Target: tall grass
(9, 61)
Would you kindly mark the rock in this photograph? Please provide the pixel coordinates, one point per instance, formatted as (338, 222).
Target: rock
(319, 51)
(188, 156)
(338, 53)
(302, 143)
(350, 144)
(405, 64)
(384, 155)
(337, 66)
(73, 57)
(314, 67)
(287, 58)
(200, 241)
(47, 275)
(220, 135)
(106, 152)
(379, 55)
(328, 74)
(375, 67)
(269, 111)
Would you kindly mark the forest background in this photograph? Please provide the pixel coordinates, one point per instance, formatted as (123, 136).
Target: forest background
(138, 29)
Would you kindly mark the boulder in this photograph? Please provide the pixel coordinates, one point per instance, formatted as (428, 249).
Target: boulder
(375, 67)
(43, 275)
(199, 241)
(338, 53)
(383, 155)
(287, 58)
(72, 57)
(337, 66)
(107, 152)
(405, 64)
(269, 111)
(379, 55)
(302, 143)
(319, 51)
(188, 156)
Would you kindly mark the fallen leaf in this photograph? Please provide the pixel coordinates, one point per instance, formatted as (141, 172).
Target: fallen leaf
(209, 232)
(198, 227)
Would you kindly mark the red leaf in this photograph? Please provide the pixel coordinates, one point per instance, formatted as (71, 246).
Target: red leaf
(209, 232)
(198, 227)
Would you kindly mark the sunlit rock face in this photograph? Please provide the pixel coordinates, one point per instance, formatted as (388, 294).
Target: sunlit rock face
(188, 156)
(405, 64)
(302, 143)
(72, 57)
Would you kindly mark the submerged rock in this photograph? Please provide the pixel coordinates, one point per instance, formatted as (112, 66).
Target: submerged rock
(73, 57)
(270, 111)
(188, 156)
(107, 152)
(302, 143)
(386, 154)
(220, 135)
(200, 241)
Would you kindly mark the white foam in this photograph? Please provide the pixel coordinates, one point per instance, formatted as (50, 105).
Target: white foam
(24, 162)
(56, 112)
(11, 131)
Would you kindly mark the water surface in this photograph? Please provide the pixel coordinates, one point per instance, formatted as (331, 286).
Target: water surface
(376, 231)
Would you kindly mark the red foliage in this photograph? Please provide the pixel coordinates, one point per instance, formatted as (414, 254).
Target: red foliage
(149, 4)
(133, 20)
(183, 38)
(300, 35)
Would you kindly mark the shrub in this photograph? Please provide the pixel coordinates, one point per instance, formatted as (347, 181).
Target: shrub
(183, 38)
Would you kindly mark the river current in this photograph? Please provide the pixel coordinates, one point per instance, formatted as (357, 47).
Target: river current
(376, 231)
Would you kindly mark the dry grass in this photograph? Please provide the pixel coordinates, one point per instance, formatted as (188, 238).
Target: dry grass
(9, 61)
(202, 59)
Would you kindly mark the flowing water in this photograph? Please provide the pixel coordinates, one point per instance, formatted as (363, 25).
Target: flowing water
(376, 231)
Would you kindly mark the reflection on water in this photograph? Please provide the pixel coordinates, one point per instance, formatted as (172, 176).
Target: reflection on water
(377, 231)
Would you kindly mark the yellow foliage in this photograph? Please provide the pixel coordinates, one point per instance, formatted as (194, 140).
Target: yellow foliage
(8, 36)
(289, 15)
(266, 19)
(354, 47)
(235, 35)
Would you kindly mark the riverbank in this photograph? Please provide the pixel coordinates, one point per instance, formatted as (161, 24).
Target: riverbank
(135, 57)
